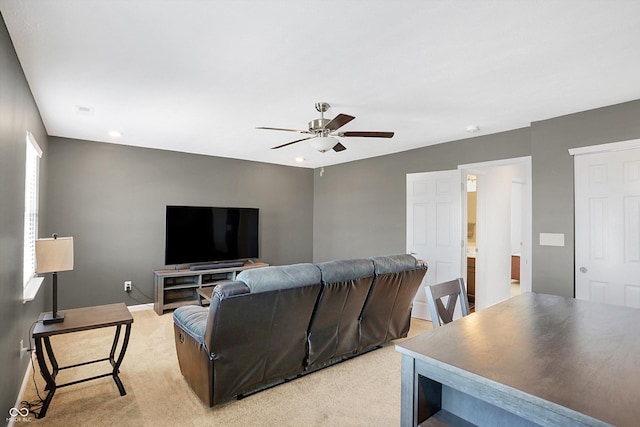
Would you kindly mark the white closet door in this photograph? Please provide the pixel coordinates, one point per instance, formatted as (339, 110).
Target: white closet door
(607, 227)
(434, 230)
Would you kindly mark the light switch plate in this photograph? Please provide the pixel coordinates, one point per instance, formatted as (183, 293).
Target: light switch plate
(551, 239)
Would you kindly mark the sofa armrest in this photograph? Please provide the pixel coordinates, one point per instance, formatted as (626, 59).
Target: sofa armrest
(192, 319)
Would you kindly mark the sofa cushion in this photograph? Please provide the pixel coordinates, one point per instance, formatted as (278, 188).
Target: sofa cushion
(266, 279)
(394, 263)
(193, 320)
(343, 270)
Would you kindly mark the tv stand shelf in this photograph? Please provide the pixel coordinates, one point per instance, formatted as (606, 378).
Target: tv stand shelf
(175, 288)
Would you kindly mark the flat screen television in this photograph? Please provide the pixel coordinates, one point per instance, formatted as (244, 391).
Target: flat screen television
(198, 234)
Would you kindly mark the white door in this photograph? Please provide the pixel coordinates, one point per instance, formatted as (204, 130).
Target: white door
(434, 228)
(607, 227)
(493, 240)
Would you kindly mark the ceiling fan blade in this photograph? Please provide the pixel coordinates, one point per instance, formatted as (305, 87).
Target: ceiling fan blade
(367, 134)
(339, 147)
(339, 121)
(286, 130)
(292, 142)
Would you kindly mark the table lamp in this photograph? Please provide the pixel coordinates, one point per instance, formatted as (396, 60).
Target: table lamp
(52, 256)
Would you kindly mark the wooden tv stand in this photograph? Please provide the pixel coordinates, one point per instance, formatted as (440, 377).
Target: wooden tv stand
(175, 288)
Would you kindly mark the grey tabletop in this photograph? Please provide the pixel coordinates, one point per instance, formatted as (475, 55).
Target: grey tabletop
(580, 355)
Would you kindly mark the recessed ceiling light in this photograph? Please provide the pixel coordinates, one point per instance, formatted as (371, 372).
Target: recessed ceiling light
(115, 134)
(473, 128)
(300, 159)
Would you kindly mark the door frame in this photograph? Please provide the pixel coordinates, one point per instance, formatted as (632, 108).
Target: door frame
(633, 144)
(603, 148)
(527, 217)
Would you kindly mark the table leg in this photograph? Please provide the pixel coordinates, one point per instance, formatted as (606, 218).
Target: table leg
(114, 345)
(116, 363)
(408, 415)
(44, 371)
(420, 397)
(52, 359)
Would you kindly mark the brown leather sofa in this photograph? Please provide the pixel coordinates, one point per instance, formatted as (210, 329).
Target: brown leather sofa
(276, 323)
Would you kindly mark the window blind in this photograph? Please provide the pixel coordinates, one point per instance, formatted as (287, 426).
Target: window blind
(32, 166)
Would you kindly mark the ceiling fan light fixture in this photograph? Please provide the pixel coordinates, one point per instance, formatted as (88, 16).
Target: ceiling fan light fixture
(323, 143)
(321, 131)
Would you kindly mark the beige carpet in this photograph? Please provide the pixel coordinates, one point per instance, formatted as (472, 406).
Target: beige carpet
(361, 391)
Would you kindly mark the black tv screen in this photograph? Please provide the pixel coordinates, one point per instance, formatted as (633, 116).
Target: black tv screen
(197, 234)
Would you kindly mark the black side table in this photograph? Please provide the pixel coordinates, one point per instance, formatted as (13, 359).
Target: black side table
(81, 319)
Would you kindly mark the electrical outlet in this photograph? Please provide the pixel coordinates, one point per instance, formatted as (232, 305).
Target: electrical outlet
(23, 349)
(127, 286)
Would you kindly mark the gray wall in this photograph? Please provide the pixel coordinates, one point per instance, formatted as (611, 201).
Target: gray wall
(18, 114)
(360, 210)
(360, 207)
(111, 199)
(552, 167)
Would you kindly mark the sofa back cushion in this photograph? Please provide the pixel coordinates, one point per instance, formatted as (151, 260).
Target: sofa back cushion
(345, 269)
(334, 332)
(280, 277)
(260, 336)
(394, 263)
(387, 312)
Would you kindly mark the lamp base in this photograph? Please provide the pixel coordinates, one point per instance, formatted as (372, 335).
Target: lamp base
(48, 318)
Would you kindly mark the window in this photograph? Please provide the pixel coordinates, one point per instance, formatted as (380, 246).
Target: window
(31, 283)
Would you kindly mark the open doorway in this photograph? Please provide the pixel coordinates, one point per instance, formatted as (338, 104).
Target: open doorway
(472, 219)
(437, 229)
(498, 230)
(516, 236)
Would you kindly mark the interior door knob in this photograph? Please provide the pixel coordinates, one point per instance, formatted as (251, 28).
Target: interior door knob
(583, 270)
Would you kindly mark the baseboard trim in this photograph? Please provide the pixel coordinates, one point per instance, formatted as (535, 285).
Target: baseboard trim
(420, 310)
(141, 307)
(23, 387)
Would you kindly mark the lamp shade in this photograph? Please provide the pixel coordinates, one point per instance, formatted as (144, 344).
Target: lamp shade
(323, 143)
(53, 255)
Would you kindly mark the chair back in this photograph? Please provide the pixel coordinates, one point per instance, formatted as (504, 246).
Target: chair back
(454, 289)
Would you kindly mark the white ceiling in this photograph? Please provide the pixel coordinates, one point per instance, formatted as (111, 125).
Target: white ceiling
(198, 76)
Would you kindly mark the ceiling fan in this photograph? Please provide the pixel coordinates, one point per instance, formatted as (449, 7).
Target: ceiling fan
(323, 131)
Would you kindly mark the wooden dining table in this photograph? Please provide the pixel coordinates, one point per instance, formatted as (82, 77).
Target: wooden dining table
(534, 359)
